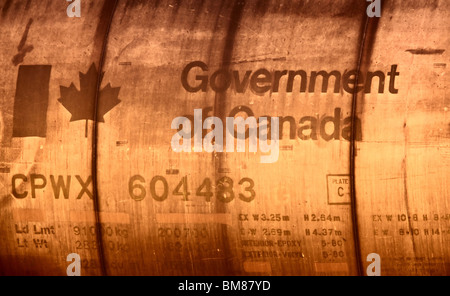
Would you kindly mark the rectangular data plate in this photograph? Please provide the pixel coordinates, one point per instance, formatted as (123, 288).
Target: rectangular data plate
(338, 189)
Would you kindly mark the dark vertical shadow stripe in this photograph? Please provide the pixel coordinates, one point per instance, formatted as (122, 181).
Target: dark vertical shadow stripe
(368, 32)
(220, 103)
(101, 37)
(6, 7)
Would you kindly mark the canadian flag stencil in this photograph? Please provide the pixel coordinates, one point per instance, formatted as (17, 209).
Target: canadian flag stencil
(31, 101)
(81, 103)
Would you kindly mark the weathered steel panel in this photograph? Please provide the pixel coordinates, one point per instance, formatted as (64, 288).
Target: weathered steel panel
(89, 164)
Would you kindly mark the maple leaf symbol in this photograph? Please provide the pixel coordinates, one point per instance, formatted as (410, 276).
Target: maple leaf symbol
(81, 103)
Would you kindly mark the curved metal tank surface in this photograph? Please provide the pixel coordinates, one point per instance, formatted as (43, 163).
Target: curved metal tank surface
(89, 164)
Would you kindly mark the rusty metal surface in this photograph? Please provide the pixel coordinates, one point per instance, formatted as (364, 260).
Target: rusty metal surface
(89, 102)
